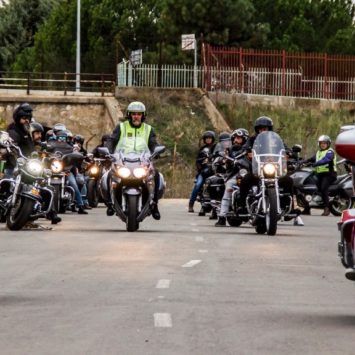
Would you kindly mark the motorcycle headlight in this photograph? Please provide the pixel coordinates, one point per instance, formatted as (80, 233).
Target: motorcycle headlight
(56, 166)
(243, 172)
(269, 170)
(123, 172)
(94, 170)
(139, 173)
(34, 167)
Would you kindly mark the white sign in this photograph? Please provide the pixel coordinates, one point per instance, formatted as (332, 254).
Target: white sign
(188, 42)
(136, 57)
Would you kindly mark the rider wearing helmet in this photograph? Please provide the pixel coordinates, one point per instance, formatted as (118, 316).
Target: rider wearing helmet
(202, 166)
(261, 124)
(135, 126)
(324, 163)
(36, 131)
(59, 127)
(238, 139)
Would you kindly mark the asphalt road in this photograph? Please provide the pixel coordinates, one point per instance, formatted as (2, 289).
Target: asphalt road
(177, 286)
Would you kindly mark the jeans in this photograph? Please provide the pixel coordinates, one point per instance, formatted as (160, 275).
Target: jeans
(74, 185)
(227, 196)
(197, 187)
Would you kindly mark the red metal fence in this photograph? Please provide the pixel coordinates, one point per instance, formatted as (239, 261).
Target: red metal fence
(270, 72)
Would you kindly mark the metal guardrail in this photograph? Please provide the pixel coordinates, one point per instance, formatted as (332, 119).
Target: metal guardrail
(66, 82)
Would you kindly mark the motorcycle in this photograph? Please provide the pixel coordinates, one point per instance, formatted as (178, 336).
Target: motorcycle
(23, 202)
(128, 187)
(345, 147)
(263, 202)
(60, 166)
(95, 169)
(307, 194)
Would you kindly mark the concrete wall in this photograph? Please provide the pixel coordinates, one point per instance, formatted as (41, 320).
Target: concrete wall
(281, 101)
(89, 116)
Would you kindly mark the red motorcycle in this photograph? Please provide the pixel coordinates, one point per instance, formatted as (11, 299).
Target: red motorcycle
(345, 147)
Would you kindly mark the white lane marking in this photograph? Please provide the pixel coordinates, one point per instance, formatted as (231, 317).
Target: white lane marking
(199, 239)
(195, 230)
(191, 263)
(203, 251)
(162, 320)
(161, 297)
(193, 224)
(163, 284)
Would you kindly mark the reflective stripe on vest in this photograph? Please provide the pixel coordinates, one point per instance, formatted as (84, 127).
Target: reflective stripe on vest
(128, 138)
(326, 167)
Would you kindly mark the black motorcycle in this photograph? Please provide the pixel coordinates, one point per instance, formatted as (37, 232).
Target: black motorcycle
(23, 202)
(128, 187)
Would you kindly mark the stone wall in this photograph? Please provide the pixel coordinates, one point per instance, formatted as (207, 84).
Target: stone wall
(90, 117)
(281, 101)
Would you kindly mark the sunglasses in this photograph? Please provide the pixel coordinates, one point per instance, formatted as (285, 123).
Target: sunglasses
(61, 139)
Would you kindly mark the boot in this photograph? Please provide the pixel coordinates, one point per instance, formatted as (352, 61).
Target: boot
(81, 210)
(54, 217)
(202, 212)
(213, 215)
(221, 222)
(306, 211)
(155, 212)
(87, 206)
(110, 211)
(73, 209)
(191, 207)
(326, 212)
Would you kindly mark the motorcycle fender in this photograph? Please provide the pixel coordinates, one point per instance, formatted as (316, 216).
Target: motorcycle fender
(30, 196)
(131, 191)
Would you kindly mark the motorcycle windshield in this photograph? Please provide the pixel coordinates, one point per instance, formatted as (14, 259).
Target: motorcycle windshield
(268, 148)
(132, 148)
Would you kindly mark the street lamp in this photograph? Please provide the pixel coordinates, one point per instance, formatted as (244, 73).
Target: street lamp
(77, 84)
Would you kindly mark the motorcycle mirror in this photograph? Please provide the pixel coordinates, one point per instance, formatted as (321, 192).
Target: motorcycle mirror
(90, 155)
(158, 150)
(103, 151)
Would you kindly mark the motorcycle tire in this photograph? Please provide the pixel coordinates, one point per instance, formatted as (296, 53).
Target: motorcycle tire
(56, 198)
(132, 212)
(93, 193)
(271, 216)
(19, 214)
(339, 204)
(260, 228)
(234, 221)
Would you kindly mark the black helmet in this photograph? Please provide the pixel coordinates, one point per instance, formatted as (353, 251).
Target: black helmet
(240, 132)
(24, 110)
(78, 138)
(209, 134)
(50, 136)
(59, 127)
(61, 136)
(36, 127)
(224, 136)
(263, 121)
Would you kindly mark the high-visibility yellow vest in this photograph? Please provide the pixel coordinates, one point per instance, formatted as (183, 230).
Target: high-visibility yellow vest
(133, 139)
(326, 167)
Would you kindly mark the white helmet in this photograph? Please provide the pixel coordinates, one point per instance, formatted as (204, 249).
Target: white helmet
(324, 138)
(136, 106)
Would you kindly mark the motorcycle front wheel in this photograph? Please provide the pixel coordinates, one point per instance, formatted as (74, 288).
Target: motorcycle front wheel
(339, 204)
(271, 212)
(19, 214)
(132, 212)
(93, 195)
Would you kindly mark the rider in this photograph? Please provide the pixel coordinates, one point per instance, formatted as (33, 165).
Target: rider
(238, 139)
(61, 145)
(36, 131)
(324, 163)
(134, 126)
(19, 132)
(202, 165)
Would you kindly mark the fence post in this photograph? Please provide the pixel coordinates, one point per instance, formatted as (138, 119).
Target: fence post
(65, 83)
(241, 71)
(28, 83)
(325, 90)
